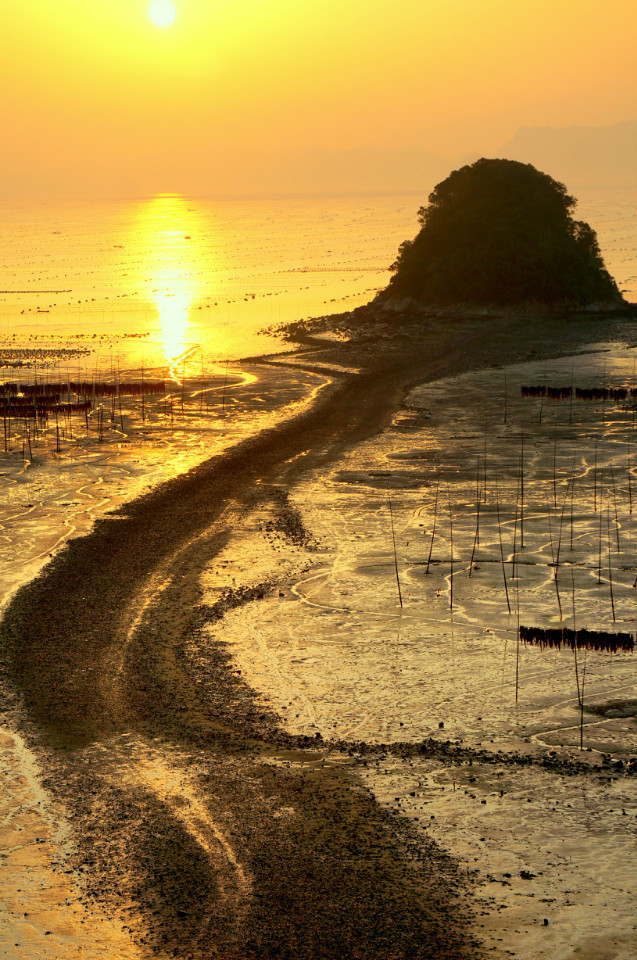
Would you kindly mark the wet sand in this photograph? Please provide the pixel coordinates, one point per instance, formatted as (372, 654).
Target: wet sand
(190, 819)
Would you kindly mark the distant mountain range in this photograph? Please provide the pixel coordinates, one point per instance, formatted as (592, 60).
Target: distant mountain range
(589, 157)
(581, 156)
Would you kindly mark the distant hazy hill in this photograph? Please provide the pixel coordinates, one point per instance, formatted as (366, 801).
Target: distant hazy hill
(359, 170)
(579, 156)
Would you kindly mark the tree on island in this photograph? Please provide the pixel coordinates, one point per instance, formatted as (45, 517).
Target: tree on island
(500, 233)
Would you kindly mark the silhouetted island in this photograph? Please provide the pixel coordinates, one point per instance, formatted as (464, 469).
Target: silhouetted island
(499, 233)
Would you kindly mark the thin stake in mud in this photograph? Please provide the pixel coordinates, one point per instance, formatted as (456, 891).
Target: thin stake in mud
(579, 699)
(476, 539)
(484, 475)
(581, 704)
(517, 652)
(451, 548)
(119, 398)
(223, 393)
(557, 588)
(559, 548)
(203, 391)
(113, 397)
(559, 538)
(433, 532)
(610, 571)
(572, 497)
(504, 574)
(522, 495)
(612, 480)
(555, 471)
(604, 396)
(595, 481)
(630, 487)
(393, 537)
(515, 538)
(550, 526)
(599, 555)
(478, 491)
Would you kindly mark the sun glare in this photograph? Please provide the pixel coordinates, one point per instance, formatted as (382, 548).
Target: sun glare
(162, 13)
(168, 251)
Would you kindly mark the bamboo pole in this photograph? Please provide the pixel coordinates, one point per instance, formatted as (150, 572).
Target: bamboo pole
(433, 532)
(612, 480)
(504, 575)
(599, 553)
(483, 494)
(451, 548)
(575, 632)
(572, 498)
(557, 588)
(515, 538)
(522, 495)
(476, 539)
(223, 395)
(517, 649)
(393, 537)
(581, 704)
(610, 571)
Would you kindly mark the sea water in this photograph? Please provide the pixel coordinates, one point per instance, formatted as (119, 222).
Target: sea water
(152, 281)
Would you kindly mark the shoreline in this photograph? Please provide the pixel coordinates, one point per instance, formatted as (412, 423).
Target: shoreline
(87, 687)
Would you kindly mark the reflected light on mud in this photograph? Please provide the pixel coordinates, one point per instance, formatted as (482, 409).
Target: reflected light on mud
(173, 310)
(170, 256)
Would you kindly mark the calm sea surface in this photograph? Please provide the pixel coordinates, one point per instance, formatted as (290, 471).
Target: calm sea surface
(158, 279)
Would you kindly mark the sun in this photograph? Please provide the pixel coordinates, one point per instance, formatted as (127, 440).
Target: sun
(162, 13)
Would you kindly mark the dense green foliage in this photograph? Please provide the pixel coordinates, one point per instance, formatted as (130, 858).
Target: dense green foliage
(499, 232)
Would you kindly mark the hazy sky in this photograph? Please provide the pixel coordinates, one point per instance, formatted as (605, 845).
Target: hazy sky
(96, 99)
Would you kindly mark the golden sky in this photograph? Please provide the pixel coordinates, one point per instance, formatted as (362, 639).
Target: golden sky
(96, 98)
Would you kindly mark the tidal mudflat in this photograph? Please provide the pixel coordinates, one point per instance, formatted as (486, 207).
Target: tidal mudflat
(182, 568)
(394, 612)
(57, 490)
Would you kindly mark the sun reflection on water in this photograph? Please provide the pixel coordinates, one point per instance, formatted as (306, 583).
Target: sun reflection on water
(168, 233)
